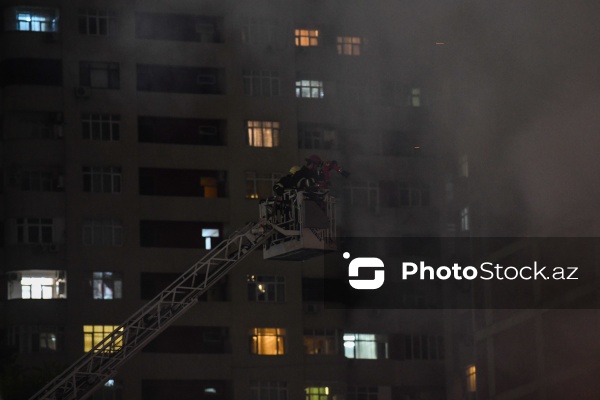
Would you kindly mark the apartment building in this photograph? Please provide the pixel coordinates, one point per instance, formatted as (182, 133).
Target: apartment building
(137, 134)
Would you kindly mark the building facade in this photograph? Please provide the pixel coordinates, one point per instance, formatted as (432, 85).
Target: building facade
(137, 134)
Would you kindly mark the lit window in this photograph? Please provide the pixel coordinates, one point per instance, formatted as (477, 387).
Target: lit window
(306, 37)
(316, 136)
(463, 166)
(35, 339)
(266, 288)
(423, 347)
(94, 334)
(471, 378)
(98, 22)
(363, 393)
(316, 393)
(105, 127)
(102, 232)
(348, 45)
(35, 230)
(259, 30)
(208, 234)
(267, 341)
(260, 185)
(365, 346)
(320, 341)
(309, 89)
(263, 133)
(31, 19)
(102, 179)
(415, 98)
(261, 83)
(100, 75)
(37, 284)
(268, 390)
(107, 285)
(464, 219)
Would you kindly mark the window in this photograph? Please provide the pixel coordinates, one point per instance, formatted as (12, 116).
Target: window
(105, 127)
(107, 285)
(35, 230)
(317, 393)
(263, 133)
(415, 98)
(181, 130)
(190, 340)
(363, 393)
(180, 234)
(258, 30)
(413, 195)
(97, 22)
(178, 79)
(33, 125)
(306, 37)
(364, 194)
(35, 339)
(267, 341)
(266, 288)
(37, 284)
(102, 179)
(261, 83)
(40, 181)
(100, 75)
(31, 19)
(348, 45)
(309, 89)
(268, 390)
(423, 347)
(365, 346)
(463, 166)
(464, 219)
(320, 341)
(94, 334)
(260, 184)
(317, 136)
(102, 232)
(471, 378)
(182, 182)
(31, 71)
(178, 27)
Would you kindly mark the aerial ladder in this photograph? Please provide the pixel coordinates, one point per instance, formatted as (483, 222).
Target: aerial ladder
(294, 227)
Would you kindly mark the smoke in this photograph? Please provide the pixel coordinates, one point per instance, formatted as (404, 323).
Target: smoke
(520, 90)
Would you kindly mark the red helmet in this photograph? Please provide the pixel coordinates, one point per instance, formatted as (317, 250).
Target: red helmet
(315, 159)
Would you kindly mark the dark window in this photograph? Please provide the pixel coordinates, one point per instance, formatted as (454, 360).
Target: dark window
(182, 182)
(181, 131)
(179, 234)
(159, 389)
(162, 78)
(32, 71)
(187, 28)
(191, 340)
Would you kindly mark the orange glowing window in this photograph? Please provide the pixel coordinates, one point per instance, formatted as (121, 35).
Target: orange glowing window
(307, 37)
(471, 378)
(348, 45)
(267, 341)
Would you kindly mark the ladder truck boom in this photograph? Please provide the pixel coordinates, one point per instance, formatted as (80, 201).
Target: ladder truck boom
(292, 227)
(101, 363)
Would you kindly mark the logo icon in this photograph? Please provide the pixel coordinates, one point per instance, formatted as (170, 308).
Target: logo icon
(365, 262)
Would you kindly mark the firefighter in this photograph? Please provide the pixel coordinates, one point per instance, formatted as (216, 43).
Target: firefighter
(286, 182)
(307, 177)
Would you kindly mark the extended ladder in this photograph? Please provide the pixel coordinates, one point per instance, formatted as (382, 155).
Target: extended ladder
(101, 363)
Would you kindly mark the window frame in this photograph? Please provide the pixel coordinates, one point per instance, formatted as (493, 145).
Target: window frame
(91, 74)
(103, 18)
(349, 45)
(259, 343)
(102, 179)
(262, 133)
(103, 280)
(306, 37)
(314, 338)
(309, 89)
(266, 288)
(257, 83)
(101, 127)
(92, 228)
